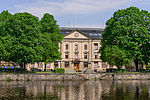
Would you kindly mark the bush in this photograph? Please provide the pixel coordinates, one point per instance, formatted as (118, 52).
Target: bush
(121, 70)
(59, 70)
(142, 70)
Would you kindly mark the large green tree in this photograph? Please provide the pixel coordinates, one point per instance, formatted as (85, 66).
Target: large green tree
(20, 38)
(26, 39)
(115, 56)
(129, 30)
(51, 37)
(3, 17)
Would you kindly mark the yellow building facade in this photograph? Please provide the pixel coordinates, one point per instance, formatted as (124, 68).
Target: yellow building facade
(79, 51)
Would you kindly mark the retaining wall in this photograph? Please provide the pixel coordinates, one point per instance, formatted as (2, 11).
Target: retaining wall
(72, 77)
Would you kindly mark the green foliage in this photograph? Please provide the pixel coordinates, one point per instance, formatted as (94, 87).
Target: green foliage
(51, 37)
(143, 70)
(59, 70)
(115, 56)
(95, 79)
(9, 79)
(127, 34)
(26, 39)
(121, 70)
(20, 38)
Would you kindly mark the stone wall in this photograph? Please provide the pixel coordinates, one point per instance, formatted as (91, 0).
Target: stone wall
(72, 77)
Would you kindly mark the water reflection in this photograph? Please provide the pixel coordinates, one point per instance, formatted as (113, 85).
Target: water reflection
(75, 90)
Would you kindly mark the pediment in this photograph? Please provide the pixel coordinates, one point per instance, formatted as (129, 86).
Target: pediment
(76, 35)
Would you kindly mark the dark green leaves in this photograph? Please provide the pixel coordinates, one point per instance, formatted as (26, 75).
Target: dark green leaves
(26, 39)
(128, 29)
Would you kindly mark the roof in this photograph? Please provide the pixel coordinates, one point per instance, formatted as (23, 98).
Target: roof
(94, 33)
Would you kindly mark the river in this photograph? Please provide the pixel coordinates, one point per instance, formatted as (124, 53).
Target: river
(75, 90)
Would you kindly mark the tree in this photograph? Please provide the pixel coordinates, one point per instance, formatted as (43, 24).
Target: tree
(115, 56)
(51, 38)
(3, 16)
(20, 36)
(129, 30)
(26, 39)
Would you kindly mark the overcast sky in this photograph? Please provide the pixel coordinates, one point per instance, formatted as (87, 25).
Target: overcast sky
(85, 13)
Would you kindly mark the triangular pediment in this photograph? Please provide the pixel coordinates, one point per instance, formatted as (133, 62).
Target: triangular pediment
(76, 35)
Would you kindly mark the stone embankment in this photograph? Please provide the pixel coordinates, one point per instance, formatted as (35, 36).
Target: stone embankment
(73, 77)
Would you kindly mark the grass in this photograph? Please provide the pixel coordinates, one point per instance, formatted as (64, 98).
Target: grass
(125, 72)
(44, 72)
(132, 72)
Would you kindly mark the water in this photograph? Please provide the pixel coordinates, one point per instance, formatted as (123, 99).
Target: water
(75, 90)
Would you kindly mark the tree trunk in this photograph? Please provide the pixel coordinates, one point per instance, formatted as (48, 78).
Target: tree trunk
(118, 67)
(45, 67)
(136, 64)
(21, 66)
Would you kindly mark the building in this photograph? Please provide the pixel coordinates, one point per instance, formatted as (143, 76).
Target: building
(79, 50)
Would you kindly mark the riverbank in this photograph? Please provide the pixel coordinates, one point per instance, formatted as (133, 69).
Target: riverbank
(73, 77)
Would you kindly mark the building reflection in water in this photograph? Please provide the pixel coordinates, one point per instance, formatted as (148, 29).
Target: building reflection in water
(75, 90)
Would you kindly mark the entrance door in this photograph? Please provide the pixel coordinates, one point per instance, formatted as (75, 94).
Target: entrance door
(76, 67)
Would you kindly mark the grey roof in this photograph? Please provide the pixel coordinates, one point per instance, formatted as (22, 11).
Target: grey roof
(94, 33)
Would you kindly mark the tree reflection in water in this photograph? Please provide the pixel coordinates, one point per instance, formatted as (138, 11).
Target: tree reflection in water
(75, 90)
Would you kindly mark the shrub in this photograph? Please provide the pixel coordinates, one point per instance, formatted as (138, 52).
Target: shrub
(121, 70)
(95, 79)
(9, 79)
(142, 70)
(59, 70)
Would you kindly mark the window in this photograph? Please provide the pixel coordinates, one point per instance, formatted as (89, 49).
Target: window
(95, 64)
(31, 65)
(104, 64)
(48, 65)
(56, 64)
(95, 55)
(40, 64)
(85, 47)
(76, 46)
(66, 55)
(66, 64)
(76, 55)
(85, 55)
(110, 66)
(95, 46)
(85, 64)
(67, 46)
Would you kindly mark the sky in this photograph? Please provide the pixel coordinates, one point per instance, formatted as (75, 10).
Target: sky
(73, 13)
